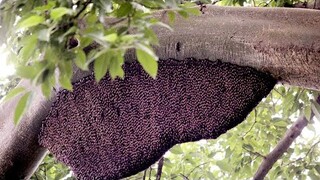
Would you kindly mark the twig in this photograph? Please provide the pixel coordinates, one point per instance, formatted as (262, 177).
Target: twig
(184, 176)
(85, 5)
(255, 121)
(144, 174)
(275, 90)
(36, 176)
(160, 165)
(281, 147)
(116, 22)
(150, 173)
(196, 168)
(254, 152)
(312, 148)
(306, 155)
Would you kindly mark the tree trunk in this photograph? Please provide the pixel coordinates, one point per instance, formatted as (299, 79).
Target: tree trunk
(20, 153)
(283, 42)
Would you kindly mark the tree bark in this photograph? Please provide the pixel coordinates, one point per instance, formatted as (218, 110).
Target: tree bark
(159, 171)
(283, 42)
(20, 153)
(282, 146)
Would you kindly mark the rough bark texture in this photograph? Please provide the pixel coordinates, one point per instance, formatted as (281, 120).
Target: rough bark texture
(20, 152)
(282, 146)
(284, 42)
(115, 129)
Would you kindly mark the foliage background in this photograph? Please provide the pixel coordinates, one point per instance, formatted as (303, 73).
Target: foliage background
(44, 25)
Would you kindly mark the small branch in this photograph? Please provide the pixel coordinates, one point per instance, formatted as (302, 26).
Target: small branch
(197, 167)
(255, 121)
(184, 176)
(160, 165)
(312, 148)
(85, 5)
(150, 173)
(254, 152)
(307, 154)
(275, 90)
(144, 174)
(281, 148)
(117, 21)
(90, 47)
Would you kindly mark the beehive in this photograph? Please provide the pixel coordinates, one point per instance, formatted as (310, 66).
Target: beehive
(114, 129)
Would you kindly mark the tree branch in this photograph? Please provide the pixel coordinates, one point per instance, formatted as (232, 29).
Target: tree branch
(144, 174)
(263, 39)
(281, 148)
(160, 165)
(150, 171)
(85, 5)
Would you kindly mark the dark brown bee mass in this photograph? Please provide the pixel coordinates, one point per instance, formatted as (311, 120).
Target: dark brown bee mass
(114, 129)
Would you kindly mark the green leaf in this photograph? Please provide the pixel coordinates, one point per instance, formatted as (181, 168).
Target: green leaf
(106, 6)
(48, 6)
(99, 38)
(21, 107)
(183, 14)
(30, 21)
(223, 165)
(71, 30)
(194, 10)
(44, 35)
(66, 72)
(317, 168)
(313, 175)
(129, 38)
(248, 147)
(12, 93)
(124, 10)
(281, 123)
(171, 3)
(29, 45)
(307, 112)
(210, 175)
(153, 4)
(315, 109)
(57, 13)
(65, 68)
(65, 82)
(111, 37)
(171, 16)
(28, 72)
(80, 60)
(115, 68)
(150, 34)
(46, 89)
(176, 150)
(147, 59)
(101, 65)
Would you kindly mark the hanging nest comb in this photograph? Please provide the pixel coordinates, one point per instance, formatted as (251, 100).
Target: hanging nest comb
(114, 129)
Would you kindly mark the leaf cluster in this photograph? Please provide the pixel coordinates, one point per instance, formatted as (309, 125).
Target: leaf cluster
(47, 39)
